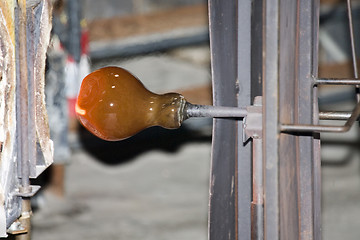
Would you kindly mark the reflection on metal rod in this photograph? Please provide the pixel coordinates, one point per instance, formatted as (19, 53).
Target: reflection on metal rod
(323, 128)
(334, 115)
(234, 112)
(337, 81)
(353, 52)
(192, 110)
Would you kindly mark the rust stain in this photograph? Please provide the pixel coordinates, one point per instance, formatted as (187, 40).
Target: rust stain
(7, 8)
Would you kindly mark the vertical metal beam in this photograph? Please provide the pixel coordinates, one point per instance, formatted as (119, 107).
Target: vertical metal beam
(316, 140)
(292, 203)
(31, 50)
(270, 119)
(245, 98)
(307, 153)
(24, 147)
(257, 24)
(288, 101)
(24, 120)
(223, 213)
(257, 204)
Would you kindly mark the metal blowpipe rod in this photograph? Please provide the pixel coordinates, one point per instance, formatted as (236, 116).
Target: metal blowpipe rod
(193, 110)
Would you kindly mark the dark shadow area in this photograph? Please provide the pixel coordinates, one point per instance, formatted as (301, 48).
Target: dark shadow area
(353, 146)
(154, 138)
(11, 237)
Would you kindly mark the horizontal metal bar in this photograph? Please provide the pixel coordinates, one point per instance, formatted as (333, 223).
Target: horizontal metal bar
(223, 112)
(337, 81)
(310, 128)
(323, 128)
(334, 115)
(192, 110)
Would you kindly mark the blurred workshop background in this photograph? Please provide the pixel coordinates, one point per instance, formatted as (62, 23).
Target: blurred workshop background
(154, 186)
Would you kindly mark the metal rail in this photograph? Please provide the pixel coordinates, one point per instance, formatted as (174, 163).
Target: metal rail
(323, 128)
(24, 127)
(351, 117)
(23, 103)
(234, 112)
(332, 81)
(257, 203)
(334, 115)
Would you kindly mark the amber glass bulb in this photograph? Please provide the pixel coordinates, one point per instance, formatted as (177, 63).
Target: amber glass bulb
(114, 105)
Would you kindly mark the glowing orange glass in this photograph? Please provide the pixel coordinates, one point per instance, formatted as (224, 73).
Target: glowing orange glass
(114, 105)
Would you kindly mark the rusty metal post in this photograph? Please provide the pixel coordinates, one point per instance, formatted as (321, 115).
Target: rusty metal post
(24, 126)
(23, 99)
(253, 129)
(291, 161)
(257, 204)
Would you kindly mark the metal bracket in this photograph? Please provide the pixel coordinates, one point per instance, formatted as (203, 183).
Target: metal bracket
(33, 189)
(252, 123)
(16, 228)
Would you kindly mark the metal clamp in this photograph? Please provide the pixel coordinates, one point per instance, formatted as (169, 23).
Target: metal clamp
(252, 123)
(31, 191)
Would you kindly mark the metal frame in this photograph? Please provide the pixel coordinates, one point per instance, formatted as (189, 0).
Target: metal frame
(283, 125)
(223, 188)
(288, 43)
(267, 187)
(286, 165)
(230, 178)
(292, 175)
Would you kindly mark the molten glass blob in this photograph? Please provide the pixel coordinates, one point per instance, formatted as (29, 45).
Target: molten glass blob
(114, 105)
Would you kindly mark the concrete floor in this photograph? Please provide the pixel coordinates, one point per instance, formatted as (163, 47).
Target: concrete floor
(155, 186)
(156, 195)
